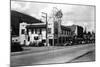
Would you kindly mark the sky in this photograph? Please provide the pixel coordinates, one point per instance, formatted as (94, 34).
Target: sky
(72, 14)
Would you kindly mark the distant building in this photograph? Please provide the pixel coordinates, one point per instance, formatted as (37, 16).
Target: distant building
(76, 30)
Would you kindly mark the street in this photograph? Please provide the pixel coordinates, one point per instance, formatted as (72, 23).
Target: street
(51, 55)
(88, 57)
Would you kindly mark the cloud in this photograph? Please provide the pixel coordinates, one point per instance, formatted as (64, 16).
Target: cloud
(49, 8)
(15, 5)
(80, 13)
(19, 6)
(72, 14)
(69, 23)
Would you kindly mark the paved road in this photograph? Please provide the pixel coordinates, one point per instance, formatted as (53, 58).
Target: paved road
(51, 56)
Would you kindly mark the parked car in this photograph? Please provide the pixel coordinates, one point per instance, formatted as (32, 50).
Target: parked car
(68, 43)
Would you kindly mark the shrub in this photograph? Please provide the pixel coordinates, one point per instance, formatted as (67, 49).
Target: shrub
(16, 47)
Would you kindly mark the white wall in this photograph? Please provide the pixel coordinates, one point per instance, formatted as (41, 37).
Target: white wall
(43, 33)
(15, 39)
(22, 37)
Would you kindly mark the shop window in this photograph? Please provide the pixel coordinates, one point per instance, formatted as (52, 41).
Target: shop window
(16, 40)
(49, 30)
(40, 31)
(28, 38)
(35, 31)
(23, 31)
(13, 40)
(62, 31)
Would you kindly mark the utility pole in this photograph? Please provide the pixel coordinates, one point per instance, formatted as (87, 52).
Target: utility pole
(46, 28)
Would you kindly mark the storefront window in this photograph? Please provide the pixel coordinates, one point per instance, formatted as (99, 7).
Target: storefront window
(49, 30)
(23, 31)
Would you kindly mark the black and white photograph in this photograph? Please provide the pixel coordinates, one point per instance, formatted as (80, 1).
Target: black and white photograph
(44, 33)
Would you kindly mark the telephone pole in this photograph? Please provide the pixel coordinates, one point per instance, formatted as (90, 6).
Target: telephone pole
(47, 41)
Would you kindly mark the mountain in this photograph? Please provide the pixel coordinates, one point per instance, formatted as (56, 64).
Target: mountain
(18, 17)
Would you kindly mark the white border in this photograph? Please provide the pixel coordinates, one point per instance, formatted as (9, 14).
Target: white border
(5, 33)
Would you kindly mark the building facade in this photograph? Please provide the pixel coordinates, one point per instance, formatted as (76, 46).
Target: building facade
(30, 33)
(51, 32)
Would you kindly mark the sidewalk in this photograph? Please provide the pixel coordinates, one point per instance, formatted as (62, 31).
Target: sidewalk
(28, 50)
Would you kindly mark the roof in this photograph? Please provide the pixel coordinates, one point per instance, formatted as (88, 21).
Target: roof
(18, 17)
(73, 27)
(39, 25)
(65, 28)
